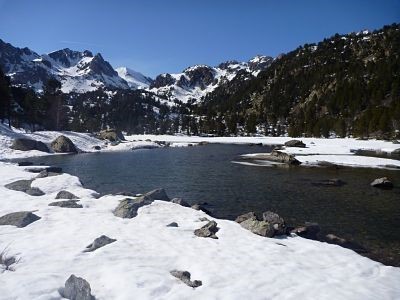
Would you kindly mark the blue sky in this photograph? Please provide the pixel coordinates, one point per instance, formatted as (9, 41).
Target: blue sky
(166, 36)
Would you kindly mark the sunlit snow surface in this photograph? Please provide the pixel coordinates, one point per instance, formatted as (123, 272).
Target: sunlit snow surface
(238, 265)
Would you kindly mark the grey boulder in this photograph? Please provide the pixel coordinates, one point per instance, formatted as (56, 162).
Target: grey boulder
(208, 231)
(277, 222)
(112, 135)
(262, 228)
(173, 224)
(157, 194)
(62, 144)
(66, 195)
(180, 201)
(244, 217)
(76, 288)
(19, 219)
(66, 204)
(383, 183)
(184, 276)
(24, 186)
(295, 143)
(98, 243)
(24, 144)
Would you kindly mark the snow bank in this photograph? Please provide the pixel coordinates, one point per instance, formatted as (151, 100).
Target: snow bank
(238, 265)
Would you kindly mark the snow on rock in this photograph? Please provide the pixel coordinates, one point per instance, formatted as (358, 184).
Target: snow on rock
(135, 80)
(237, 265)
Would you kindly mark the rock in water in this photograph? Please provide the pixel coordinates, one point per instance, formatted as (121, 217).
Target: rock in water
(157, 194)
(28, 144)
(330, 182)
(98, 243)
(180, 201)
(45, 173)
(76, 288)
(184, 276)
(25, 163)
(62, 144)
(208, 230)
(383, 183)
(308, 231)
(66, 204)
(295, 143)
(276, 221)
(112, 135)
(66, 195)
(19, 219)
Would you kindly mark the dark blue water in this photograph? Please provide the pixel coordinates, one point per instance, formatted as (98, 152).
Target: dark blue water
(355, 211)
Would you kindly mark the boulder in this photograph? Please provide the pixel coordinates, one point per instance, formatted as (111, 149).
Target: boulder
(308, 231)
(383, 183)
(45, 173)
(180, 201)
(208, 230)
(24, 144)
(295, 143)
(127, 208)
(98, 243)
(66, 204)
(96, 147)
(24, 186)
(112, 135)
(184, 276)
(19, 219)
(279, 156)
(262, 228)
(244, 217)
(66, 195)
(62, 144)
(157, 194)
(334, 239)
(202, 208)
(76, 288)
(276, 221)
(173, 224)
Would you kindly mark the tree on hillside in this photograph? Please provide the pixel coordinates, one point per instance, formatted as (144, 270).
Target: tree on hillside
(56, 112)
(5, 98)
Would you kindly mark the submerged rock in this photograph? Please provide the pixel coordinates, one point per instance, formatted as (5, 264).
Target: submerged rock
(66, 204)
(308, 231)
(383, 183)
(62, 144)
(208, 231)
(333, 239)
(295, 143)
(76, 288)
(24, 144)
(184, 276)
(19, 219)
(98, 243)
(66, 195)
(180, 201)
(330, 182)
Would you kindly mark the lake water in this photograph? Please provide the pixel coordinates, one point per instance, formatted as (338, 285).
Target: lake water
(354, 211)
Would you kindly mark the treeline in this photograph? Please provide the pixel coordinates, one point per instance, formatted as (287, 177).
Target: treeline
(344, 85)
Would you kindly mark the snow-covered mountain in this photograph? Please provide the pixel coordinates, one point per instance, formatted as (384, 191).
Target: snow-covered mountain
(134, 79)
(77, 71)
(82, 72)
(197, 81)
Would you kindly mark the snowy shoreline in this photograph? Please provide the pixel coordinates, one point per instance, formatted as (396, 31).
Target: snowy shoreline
(238, 264)
(339, 151)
